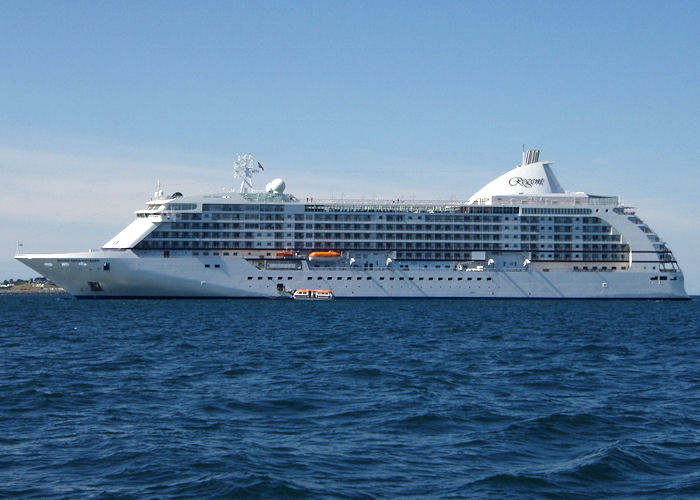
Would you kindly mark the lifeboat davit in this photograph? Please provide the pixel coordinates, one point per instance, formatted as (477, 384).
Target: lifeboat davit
(326, 255)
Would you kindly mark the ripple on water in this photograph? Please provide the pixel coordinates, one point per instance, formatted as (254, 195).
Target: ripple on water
(495, 399)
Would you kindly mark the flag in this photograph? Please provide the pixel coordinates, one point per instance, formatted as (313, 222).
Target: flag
(260, 167)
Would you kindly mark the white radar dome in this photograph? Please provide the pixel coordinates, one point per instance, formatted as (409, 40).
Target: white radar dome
(275, 186)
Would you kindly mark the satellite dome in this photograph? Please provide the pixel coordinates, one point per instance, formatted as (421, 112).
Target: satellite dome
(275, 186)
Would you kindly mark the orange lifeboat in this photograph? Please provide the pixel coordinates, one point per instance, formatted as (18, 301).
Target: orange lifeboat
(326, 254)
(285, 253)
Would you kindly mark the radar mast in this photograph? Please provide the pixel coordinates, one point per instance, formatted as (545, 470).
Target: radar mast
(243, 168)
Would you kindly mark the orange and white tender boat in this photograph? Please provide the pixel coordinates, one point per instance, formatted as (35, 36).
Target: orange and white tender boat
(326, 255)
(309, 294)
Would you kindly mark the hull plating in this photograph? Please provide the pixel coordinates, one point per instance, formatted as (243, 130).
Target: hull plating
(127, 275)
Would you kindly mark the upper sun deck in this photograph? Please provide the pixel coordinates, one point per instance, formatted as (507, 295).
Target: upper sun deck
(257, 201)
(564, 199)
(160, 204)
(531, 184)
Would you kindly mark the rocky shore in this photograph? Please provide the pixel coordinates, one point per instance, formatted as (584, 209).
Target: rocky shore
(30, 287)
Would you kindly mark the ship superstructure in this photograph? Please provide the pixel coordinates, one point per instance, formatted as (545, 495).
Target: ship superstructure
(521, 235)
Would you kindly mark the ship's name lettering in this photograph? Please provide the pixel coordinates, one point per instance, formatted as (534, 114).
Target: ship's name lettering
(521, 181)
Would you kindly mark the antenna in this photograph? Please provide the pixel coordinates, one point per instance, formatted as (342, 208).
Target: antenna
(244, 168)
(158, 195)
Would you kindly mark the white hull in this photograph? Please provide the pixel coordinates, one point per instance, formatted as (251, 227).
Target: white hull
(128, 275)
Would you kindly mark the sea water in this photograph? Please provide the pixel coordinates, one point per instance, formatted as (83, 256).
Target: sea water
(348, 399)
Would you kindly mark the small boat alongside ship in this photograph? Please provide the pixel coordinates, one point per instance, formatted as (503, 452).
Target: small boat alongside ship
(307, 294)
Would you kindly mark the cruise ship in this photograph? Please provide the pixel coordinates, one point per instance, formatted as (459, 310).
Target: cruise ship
(520, 236)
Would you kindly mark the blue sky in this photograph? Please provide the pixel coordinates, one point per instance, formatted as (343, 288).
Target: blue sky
(410, 99)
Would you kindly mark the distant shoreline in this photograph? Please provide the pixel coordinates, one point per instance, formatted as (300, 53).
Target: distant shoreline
(31, 290)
